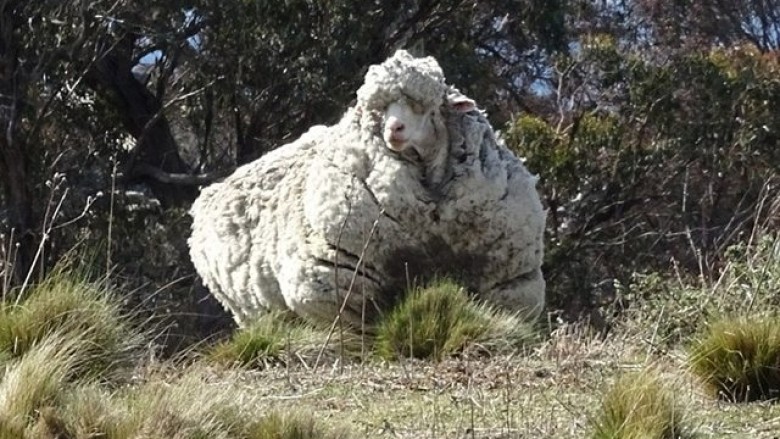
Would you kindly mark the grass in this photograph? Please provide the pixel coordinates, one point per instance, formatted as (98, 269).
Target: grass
(67, 303)
(739, 358)
(640, 406)
(35, 380)
(552, 388)
(441, 320)
(196, 404)
(277, 338)
(68, 329)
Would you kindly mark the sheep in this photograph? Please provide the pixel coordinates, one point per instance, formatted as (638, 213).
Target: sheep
(410, 182)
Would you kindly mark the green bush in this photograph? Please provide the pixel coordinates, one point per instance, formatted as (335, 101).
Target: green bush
(672, 160)
(739, 358)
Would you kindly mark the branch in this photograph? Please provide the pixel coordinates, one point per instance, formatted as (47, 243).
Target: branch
(145, 169)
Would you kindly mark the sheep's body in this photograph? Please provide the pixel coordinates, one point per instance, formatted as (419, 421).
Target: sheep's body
(337, 211)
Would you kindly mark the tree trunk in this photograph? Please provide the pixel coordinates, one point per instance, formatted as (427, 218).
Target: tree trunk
(14, 180)
(13, 161)
(142, 116)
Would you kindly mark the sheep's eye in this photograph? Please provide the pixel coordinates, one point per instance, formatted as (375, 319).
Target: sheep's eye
(417, 108)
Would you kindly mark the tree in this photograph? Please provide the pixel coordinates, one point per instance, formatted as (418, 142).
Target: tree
(106, 103)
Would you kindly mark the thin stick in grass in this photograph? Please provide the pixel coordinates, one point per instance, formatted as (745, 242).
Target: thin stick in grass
(110, 218)
(337, 319)
(39, 252)
(342, 226)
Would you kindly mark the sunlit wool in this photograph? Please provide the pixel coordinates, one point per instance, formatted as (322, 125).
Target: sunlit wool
(338, 218)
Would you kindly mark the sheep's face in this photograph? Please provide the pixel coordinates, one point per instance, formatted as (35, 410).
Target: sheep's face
(410, 124)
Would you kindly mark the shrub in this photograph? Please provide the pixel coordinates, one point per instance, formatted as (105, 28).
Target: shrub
(672, 160)
(639, 406)
(440, 320)
(739, 358)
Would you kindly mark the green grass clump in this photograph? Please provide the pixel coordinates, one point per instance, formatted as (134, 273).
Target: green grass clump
(268, 340)
(441, 320)
(68, 304)
(739, 358)
(639, 406)
(292, 426)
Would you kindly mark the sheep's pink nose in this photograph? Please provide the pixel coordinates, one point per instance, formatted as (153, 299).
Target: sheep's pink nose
(395, 126)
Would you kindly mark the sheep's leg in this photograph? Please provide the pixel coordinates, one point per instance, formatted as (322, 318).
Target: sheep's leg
(317, 291)
(523, 294)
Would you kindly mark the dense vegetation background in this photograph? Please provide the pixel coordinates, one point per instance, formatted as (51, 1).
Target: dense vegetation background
(654, 127)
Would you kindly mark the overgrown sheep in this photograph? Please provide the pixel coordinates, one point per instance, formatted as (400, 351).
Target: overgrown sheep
(411, 183)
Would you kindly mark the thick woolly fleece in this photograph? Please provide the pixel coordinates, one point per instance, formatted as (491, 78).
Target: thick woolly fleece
(336, 218)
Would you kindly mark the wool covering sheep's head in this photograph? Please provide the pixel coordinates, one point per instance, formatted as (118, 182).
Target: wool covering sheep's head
(402, 76)
(408, 93)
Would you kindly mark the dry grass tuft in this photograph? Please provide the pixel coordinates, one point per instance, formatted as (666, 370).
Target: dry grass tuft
(640, 406)
(278, 338)
(37, 379)
(70, 305)
(739, 358)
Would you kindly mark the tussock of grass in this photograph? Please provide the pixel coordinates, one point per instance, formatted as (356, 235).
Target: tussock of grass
(35, 380)
(194, 405)
(274, 337)
(639, 406)
(441, 320)
(65, 303)
(739, 358)
(85, 411)
(291, 426)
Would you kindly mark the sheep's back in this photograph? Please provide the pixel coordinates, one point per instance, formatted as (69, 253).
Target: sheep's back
(242, 224)
(490, 207)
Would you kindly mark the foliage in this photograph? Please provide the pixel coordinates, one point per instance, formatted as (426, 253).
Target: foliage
(670, 309)
(440, 320)
(650, 161)
(739, 357)
(640, 405)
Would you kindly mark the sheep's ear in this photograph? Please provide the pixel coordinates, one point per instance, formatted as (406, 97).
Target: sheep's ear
(462, 104)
